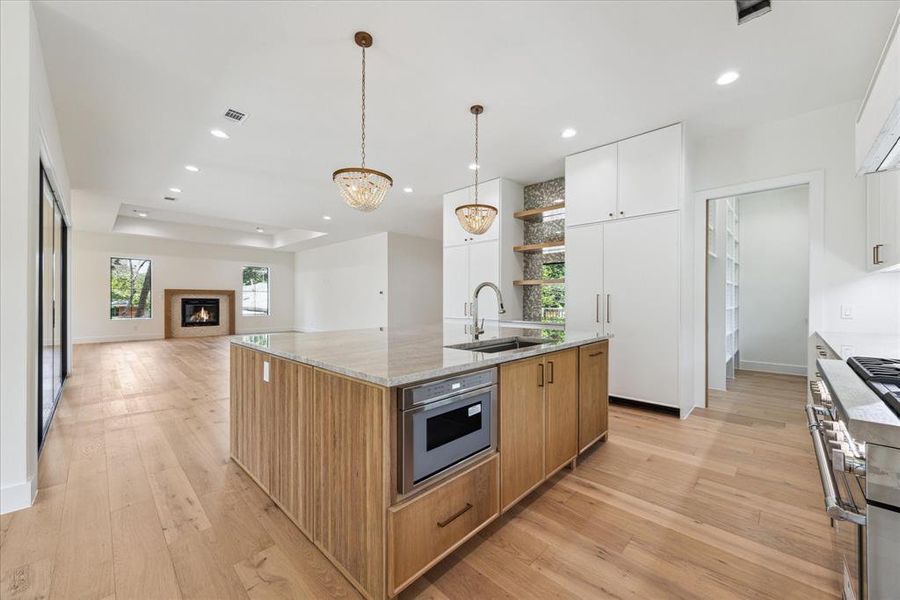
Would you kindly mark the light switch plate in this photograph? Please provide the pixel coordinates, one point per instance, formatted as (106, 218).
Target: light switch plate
(846, 350)
(266, 371)
(846, 311)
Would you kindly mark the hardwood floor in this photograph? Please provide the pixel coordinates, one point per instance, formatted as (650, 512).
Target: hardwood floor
(139, 500)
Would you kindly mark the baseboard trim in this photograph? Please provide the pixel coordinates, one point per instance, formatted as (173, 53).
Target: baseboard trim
(770, 367)
(18, 496)
(99, 339)
(669, 410)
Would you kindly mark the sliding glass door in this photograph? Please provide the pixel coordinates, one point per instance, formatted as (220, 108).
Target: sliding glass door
(52, 308)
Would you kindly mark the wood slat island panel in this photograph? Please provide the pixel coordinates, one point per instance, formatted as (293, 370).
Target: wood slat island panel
(351, 480)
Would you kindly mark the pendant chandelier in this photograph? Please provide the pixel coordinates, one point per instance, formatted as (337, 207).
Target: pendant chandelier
(362, 188)
(476, 218)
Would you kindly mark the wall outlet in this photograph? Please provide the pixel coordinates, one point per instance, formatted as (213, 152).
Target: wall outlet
(266, 371)
(846, 311)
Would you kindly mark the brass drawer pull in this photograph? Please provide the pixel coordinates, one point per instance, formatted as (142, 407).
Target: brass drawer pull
(541, 375)
(455, 516)
(551, 371)
(597, 353)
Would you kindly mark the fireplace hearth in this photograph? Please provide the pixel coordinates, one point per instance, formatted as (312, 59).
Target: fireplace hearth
(199, 312)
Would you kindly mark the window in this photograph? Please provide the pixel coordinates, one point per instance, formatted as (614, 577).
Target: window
(129, 288)
(255, 293)
(553, 296)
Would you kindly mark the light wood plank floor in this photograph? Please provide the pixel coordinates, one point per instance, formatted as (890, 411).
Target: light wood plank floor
(139, 500)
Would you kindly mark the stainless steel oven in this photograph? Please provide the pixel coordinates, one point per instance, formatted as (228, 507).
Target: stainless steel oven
(444, 425)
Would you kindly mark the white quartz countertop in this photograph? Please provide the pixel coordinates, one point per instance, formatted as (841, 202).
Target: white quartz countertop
(400, 357)
(878, 345)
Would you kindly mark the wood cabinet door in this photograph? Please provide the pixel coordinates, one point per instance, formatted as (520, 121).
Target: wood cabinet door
(584, 278)
(593, 393)
(591, 185)
(292, 460)
(650, 172)
(561, 437)
(521, 441)
(456, 281)
(640, 277)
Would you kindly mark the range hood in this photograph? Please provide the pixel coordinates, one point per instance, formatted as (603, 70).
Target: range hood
(878, 123)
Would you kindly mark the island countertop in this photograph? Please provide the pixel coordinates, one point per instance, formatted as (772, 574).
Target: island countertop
(392, 357)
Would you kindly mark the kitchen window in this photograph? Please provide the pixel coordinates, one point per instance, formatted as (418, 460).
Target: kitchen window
(255, 291)
(553, 296)
(130, 288)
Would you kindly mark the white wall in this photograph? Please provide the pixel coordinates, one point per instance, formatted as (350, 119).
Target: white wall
(818, 140)
(774, 280)
(343, 285)
(415, 283)
(175, 264)
(382, 280)
(28, 136)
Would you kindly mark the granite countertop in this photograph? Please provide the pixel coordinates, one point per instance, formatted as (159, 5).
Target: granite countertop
(867, 417)
(403, 356)
(879, 345)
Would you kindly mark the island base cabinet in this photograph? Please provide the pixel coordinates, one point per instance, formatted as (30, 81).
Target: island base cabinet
(593, 394)
(538, 421)
(430, 526)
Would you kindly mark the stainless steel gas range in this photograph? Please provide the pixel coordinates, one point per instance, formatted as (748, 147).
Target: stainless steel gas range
(856, 437)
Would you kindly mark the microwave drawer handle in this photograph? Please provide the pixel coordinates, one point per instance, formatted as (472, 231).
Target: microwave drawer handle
(455, 515)
(833, 505)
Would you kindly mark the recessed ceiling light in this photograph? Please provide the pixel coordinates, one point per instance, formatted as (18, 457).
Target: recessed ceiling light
(191, 168)
(326, 217)
(141, 214)
(259, 230)
(728, 77)
(175, 190)
(219, 134)
(568, 132)
(408, 190)
(473, 167)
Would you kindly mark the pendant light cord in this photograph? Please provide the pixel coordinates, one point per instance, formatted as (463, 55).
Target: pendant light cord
(363, 141)
(477, 166)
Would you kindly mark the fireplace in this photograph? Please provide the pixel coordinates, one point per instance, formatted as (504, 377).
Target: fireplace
(199, 312)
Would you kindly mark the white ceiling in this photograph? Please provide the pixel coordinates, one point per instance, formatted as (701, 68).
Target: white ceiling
(138, 85)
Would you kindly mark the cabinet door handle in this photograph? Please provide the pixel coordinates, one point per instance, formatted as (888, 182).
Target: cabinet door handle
(610, 214)
(541, 375)
(876, 254)
(622, 212)
(455, 515)
(597, 309)
(608, 306)
(597, 353)
(550, 380)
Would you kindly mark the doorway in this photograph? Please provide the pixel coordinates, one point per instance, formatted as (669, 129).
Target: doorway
(757, 289)
(52, 304)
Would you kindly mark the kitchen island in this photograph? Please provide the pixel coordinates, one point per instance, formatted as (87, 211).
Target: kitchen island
(324, 422)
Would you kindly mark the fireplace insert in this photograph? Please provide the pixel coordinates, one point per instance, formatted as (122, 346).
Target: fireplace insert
(199, 312)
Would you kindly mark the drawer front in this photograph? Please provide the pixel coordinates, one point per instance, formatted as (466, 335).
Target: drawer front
(425, 529)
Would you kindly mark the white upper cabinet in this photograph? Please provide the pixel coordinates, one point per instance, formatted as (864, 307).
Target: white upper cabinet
(488, 193)
(484, 265)
(456, 281)
(883, 221)
(878, 123)
(584, 279)
(591, 186)
(650, 172)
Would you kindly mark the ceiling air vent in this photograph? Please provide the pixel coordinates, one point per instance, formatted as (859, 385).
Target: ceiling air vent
(750, 9)
(235, 116)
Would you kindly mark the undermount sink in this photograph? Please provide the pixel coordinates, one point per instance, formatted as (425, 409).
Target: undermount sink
(504, 345)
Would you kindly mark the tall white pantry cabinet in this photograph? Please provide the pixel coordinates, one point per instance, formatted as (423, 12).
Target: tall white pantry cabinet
(471, 259)
(623, 258)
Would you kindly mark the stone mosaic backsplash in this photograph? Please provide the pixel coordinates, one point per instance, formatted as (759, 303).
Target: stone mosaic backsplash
(537, 195)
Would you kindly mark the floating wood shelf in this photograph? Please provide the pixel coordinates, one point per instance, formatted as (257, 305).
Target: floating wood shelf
(540, 246)
(537, 214)
(523, 282)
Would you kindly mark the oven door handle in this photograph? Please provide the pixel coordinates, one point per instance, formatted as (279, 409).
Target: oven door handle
(834, 507)
(427, 406)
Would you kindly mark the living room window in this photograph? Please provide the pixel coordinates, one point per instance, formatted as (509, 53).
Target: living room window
(255, 291)
(130, 288)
